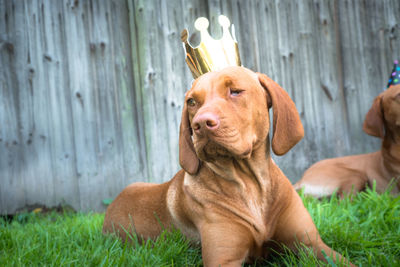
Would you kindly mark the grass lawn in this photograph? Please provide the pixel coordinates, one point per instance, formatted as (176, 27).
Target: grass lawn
(366, 229)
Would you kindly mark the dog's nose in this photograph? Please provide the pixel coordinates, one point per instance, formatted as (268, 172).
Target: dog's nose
(205, 121)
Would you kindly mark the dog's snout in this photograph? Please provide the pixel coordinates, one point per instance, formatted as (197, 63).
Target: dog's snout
(206, 121)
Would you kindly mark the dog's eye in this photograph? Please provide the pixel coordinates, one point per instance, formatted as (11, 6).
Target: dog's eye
(235, 92)
(191, 102)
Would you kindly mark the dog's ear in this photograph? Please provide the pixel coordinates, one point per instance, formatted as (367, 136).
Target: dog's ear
(373, 123)
(287, 127)
(187, 155)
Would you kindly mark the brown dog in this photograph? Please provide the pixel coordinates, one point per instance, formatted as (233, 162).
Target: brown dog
(230, 195)
(353, 173)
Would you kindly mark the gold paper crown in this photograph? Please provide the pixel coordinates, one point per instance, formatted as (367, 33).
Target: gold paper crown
(211, 54)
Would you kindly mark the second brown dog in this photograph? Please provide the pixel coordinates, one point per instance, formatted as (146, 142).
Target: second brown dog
(354, 173)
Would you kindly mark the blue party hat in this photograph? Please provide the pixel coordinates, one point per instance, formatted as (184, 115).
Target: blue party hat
(395, 75)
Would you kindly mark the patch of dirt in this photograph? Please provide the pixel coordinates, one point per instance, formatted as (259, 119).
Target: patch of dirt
(22, 214)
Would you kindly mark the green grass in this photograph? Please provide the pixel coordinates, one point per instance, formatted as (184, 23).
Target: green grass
(365, 228)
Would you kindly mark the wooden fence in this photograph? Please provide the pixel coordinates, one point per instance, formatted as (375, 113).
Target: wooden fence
(91, 91)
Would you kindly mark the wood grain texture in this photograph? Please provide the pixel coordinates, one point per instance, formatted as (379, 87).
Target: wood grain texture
(91, 91)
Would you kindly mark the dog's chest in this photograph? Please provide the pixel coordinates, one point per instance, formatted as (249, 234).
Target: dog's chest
(180, 221)
(229, 206)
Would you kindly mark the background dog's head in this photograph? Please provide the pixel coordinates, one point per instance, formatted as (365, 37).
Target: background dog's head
(225, 114)
(384, 115)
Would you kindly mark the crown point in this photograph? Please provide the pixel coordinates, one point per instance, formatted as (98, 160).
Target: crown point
(224, 21)
(201, 24)
(184, 35)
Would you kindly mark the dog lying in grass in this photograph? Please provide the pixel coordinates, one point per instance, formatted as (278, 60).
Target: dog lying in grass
(230, 195)
(354, 173)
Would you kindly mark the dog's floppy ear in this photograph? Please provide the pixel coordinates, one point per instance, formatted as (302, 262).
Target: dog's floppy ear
(373, 123)
(287, 127)
(187, 155)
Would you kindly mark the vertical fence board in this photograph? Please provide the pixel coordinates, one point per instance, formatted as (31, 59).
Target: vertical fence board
(12, 188)
(60, 138)
(129, 136)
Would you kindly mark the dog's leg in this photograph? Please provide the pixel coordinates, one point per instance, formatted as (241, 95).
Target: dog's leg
(295, 227)
(343, 175)
(224, 244)
(352, 185)
(318, 184)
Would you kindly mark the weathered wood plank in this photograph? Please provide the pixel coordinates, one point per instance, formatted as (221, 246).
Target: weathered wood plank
(130, 121)
(58, 109)
(12, 188)
(150, 75)
(83, 102)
